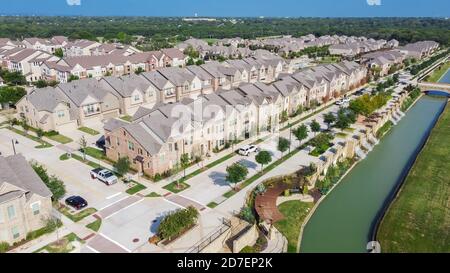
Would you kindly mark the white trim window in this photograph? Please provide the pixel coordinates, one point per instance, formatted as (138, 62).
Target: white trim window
(36, 208)
(11, 212)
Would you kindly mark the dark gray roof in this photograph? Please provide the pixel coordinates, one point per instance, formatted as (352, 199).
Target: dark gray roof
(16, 171)
(79, 90)
(45, 99)
(126, 85)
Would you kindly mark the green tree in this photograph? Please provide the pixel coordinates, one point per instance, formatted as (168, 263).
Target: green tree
(73, 78)
(236, 173)
(54, 184)
(122, 166)
(59, 52)
(301, 133)
(40, 84)
(343, 121)
(184, 160)
(139, 70)
(246, 214)
(83, 145)
(11, 94)
(329, 118)
(263, 158)
(315, 126)
(283, 145)
(176, 222)
(190, 61)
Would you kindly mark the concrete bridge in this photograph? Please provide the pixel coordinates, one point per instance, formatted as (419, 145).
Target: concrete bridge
(435, 86)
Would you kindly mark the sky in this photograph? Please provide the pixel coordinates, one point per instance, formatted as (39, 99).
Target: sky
(230, 8)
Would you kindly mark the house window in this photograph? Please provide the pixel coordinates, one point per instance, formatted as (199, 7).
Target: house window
(186, 87)
(130, 146)
(15, 232)
(140, 151)
(11, 212)
(137, 98)
(35, 207)
(60, 114)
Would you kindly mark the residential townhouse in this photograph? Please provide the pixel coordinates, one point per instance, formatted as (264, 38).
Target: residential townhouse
(45, 45)
(133, 92)
(419, 50)
(69, 105)
(25, 201)
(175, 57)
(79, 48)
(48, 109)
(26, 61)
(156, 138)
(187, 85)
(384, 60)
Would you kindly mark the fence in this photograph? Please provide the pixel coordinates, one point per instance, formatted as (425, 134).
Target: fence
(226, 225)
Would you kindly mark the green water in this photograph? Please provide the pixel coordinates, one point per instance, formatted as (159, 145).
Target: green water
(343, 221)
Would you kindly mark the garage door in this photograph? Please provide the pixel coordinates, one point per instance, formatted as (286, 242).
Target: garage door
(109, 115)
(67, 127)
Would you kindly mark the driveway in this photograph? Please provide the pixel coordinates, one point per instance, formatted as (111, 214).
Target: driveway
(129, 224)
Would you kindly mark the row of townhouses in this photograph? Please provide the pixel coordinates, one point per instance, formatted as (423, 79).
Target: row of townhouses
(90, 101)
(386, 59)
(235, 47)
(353, 48)
(158, 136)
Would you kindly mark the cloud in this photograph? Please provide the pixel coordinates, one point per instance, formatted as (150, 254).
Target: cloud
(73, 2)
(374, 2)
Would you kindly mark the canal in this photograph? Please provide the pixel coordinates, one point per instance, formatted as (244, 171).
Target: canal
(343, 222)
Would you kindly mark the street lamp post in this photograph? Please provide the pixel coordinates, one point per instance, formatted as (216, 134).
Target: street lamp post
(13, 145)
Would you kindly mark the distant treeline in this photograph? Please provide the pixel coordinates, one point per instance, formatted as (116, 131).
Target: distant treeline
(403, 29)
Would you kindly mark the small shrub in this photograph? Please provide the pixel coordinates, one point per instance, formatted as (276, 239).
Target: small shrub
(4, 246)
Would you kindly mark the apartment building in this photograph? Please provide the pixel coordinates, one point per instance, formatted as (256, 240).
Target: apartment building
(25, 201)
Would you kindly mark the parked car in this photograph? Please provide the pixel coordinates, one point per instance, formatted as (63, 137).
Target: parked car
(106, 176)
(76, 202)
(248, 149)
(345, 100)
(339, 102)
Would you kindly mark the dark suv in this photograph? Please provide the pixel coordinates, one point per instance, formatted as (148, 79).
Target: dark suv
(76, 202)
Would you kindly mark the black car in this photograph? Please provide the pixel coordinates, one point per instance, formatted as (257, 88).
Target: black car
(76, 202)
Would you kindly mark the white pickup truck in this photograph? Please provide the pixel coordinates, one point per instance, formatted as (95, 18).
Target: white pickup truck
(104, 176)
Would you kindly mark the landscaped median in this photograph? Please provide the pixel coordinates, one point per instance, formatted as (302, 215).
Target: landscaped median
(43, 144)
(65, 245)
(89, 131)
(73, 215)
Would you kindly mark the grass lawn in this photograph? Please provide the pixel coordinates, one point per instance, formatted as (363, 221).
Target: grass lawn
(62, 246)
(438, 73)
(341, 135)
(88, 130)
(64, 157)
(95, 153)
(126, 118)
(43, 144)
(136, 188)
(419, 218)
(76, 216)
(295, 213)
(95, 226)
(90, 163)
(60, 138)
(153, 194)
(212, 205)
(173, 187)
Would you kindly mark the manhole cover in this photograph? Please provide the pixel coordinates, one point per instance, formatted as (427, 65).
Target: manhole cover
(135, 240)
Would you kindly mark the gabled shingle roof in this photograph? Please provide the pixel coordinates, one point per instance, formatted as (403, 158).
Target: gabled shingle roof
(16, 171)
